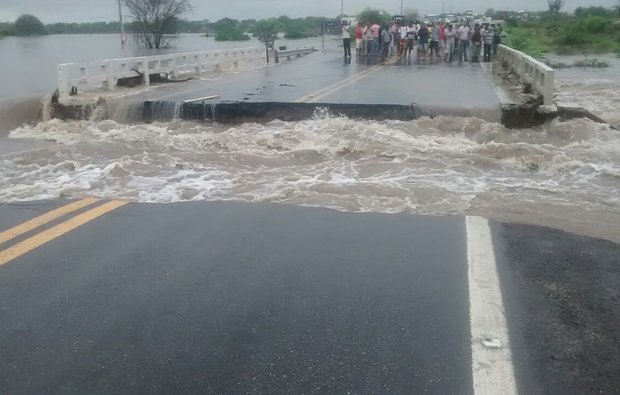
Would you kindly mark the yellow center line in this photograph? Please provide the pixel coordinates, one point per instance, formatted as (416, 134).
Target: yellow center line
(43, 219)
(39, 239)
(314, 96)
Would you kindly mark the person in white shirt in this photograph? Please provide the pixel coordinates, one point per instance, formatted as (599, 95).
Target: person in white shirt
(450, 40)
(402, 42)
(368, 39)
(463, 35)
(346, 40)
(411, 32)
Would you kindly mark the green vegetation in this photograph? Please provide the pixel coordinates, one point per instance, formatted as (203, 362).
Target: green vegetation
(266, 30)
(590, 30)
(227, 30)
(84, 28)
(231, 35)
(28, 25)
(6, 29)
(372, 15)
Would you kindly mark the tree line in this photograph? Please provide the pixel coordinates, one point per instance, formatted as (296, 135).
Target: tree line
(225, 29)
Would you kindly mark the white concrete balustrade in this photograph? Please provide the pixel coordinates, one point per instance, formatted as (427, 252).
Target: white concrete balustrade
(537, 74)
(106, 74)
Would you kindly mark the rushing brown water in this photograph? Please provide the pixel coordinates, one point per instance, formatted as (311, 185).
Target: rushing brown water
(563, 174)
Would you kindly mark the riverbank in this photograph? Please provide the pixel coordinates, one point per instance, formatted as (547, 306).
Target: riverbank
(565, 35)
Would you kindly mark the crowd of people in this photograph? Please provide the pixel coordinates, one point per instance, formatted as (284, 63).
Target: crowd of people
(431, 42)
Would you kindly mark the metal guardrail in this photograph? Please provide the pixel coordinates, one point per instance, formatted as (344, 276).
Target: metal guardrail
(106, 74)
(289, 53)
(539, 75)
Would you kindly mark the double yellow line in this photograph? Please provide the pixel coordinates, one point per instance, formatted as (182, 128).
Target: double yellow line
(55, 231)
(328, 90)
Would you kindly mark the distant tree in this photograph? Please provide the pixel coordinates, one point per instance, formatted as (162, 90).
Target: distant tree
(155, 18)
(6, 29)
(267, 30)
(555, 6)
(225, 23)
(227, 30)
(247, 25)
(373, 15)
(581, 12)
(231, 34)
(29, 25)
(490, 12)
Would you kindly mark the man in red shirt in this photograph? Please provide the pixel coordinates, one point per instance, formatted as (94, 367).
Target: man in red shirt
(442, 39)
(359, 37)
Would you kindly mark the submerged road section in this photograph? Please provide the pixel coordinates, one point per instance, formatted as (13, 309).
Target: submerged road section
(396, 89)
(258, 298)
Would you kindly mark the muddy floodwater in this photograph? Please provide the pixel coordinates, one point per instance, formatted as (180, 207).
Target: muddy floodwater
(564, 174)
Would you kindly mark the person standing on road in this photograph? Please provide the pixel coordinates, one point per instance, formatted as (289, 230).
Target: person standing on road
(346, 41)
(402, 40)
(434, 47)
(359, 37)
(488, 37)
(375, 36)
(410, 39)
(442, 39)
(394, 33)
(369, 40)
(450, 34)
(463, 37)
(476, 41)
(423, 42)
(386, 39)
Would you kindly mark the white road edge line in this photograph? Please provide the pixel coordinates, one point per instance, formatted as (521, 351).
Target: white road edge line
(492, 368)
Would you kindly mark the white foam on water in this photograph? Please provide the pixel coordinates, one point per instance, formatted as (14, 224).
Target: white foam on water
(600, 96)
(563, 174)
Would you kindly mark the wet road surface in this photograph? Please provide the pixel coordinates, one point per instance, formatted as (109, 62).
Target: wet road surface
(323, 77)
(236, 297)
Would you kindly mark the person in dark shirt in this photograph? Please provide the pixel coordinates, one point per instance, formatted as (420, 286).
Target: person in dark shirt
(423, 42)
(385, 39)
(476, 41)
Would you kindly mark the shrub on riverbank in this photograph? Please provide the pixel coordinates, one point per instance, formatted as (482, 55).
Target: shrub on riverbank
(590, 31)
(231, 34)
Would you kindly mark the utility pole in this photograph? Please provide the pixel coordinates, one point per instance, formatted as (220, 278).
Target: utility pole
(120, 18)
(323, 28)
(443, 7)
(401, 8)
(341, 11)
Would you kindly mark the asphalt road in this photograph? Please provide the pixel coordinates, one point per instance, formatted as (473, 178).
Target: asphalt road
(323, 77)
(230, 297)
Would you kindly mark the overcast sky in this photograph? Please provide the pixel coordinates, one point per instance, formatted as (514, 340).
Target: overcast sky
(107, 10)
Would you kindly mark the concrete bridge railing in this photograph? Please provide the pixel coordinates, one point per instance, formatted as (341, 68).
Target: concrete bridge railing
(539, 75)
(106, 74)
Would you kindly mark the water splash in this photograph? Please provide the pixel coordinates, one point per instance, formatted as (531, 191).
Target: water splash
(565, 174)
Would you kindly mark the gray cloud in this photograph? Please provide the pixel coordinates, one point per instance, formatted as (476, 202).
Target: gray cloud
(106, 10)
